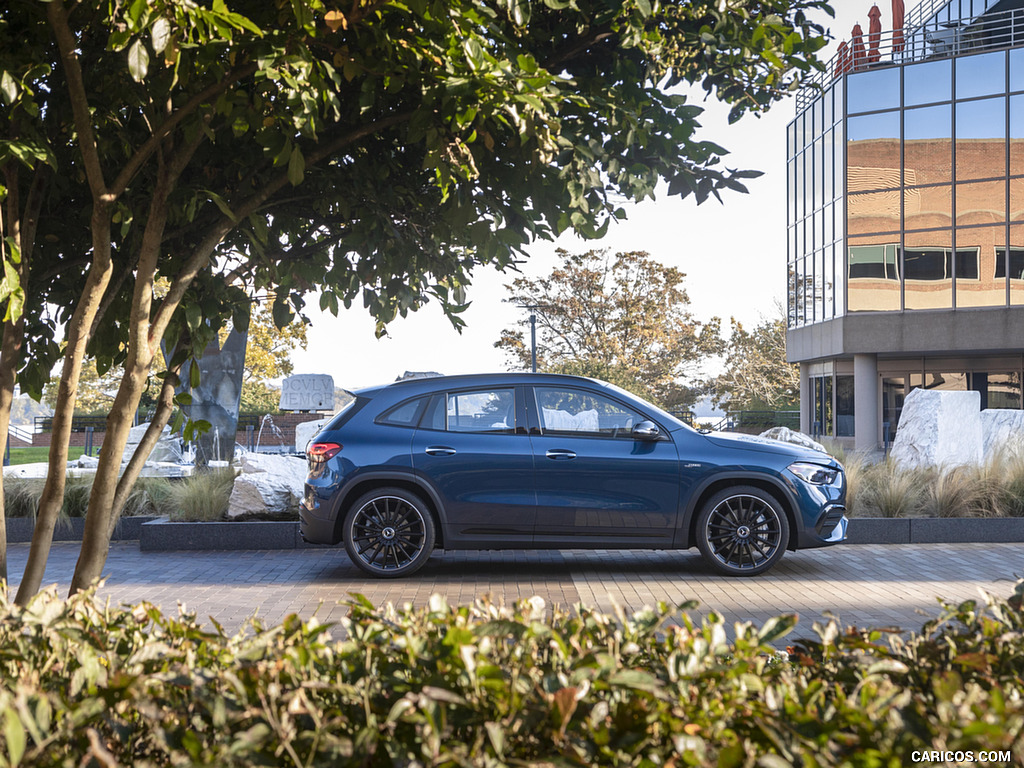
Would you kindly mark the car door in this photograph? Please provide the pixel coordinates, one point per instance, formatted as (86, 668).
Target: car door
(472, 446)
(595, 480)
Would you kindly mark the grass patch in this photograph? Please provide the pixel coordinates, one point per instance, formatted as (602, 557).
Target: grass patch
(40, 454)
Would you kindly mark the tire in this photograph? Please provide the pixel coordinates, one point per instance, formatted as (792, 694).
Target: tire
(389, 532)
(742, 531)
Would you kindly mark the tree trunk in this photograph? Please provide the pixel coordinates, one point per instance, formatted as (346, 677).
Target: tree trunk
(164, 409)
(22, 231)
(99, 519)
(78, 336)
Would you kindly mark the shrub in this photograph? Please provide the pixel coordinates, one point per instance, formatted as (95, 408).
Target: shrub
(201, 497)
(82, 683)
(889, 491)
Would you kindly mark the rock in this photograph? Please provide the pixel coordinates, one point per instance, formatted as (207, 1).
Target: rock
(268, 485)
(305, 431)
(939, 429)
(167, 448)
(1002, 432)
(84, 461)
(787, 435)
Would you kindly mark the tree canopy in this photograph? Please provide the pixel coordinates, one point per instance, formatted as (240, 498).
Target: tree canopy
(622, 318)
(757, 374)
(376, 150)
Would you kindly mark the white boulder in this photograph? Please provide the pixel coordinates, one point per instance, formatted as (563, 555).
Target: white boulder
(305, 431)
(268, 485)
(167, 448)
(1002, 432)
(787, 435)
(939, 429)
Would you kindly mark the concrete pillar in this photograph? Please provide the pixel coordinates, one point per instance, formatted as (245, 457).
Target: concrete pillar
(806, 399)
(865, 403)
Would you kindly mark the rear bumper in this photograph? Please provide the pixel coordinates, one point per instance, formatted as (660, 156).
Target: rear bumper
(315, 526)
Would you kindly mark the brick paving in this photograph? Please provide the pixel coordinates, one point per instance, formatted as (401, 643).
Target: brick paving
(876, 585)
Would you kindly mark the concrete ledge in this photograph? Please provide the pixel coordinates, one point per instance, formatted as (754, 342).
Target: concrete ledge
(19, 529)
(870, 530)
(161, 535)
(935, 530)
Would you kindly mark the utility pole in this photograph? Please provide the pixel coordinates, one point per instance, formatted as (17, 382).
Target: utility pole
(533, 332)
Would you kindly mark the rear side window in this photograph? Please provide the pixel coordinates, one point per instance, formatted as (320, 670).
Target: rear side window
(405, 414)
(492, 410)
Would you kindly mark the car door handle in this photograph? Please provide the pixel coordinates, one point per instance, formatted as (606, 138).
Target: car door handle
(560, 453)
(439, 450)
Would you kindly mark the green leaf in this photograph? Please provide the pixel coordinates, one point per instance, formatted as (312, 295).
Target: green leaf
(296, 167)
(776, 627)
(138, 61)
(8, 88)
(644, 6)
(161, 34)
(221, 203)
(14, 735)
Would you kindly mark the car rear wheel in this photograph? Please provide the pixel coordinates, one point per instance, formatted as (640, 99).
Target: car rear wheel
(389, 532)
(742, 531)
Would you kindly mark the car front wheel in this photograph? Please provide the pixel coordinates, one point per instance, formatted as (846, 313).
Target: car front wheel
(389, 532)
(742, 531)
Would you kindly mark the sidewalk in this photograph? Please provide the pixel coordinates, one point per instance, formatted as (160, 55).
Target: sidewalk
(876, 585)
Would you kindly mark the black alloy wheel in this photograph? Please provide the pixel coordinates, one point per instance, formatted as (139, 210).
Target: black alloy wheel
(389, 532)
(742, 531)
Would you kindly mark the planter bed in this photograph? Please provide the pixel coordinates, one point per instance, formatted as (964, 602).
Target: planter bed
(160, 535)
(935, 530)
(19, 529)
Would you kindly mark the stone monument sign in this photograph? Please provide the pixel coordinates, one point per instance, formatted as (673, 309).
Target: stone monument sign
(307, 392)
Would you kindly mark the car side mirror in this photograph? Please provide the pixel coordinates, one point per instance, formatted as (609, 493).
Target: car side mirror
(646, 430)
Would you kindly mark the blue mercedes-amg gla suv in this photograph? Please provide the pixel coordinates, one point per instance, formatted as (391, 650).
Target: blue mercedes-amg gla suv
(521, 461)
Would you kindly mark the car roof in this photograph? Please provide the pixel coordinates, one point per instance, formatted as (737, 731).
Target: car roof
(474, 379)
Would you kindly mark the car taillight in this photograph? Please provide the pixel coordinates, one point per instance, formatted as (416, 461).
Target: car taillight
(323, 451)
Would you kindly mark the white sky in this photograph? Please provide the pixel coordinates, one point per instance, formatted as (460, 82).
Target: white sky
(733, 255)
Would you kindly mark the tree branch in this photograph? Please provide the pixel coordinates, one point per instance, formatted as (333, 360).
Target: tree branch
(57, 16)
(143, 153)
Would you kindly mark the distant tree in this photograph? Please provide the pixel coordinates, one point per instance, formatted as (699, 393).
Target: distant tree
(622, 318)
(267, 356)
(757, 374)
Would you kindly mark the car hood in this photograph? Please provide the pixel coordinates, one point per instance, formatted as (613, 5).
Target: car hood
(755, 443)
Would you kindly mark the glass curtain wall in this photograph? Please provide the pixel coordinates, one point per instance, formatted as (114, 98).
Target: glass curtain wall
(935, 184)
(815, 147)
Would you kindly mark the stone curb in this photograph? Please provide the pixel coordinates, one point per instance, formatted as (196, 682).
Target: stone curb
(160, 535)
(20, 529)
(935, 530)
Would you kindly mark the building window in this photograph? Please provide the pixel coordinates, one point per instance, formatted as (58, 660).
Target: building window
(821, 418)
(893, 394)
(937, 263)
(879, 262)
(844, 406)
(1016, 263)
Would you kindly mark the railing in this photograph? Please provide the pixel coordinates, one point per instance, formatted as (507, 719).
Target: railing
(927, 35)
(684, 416)
(25, 435)
(78, 424)
(759, 421)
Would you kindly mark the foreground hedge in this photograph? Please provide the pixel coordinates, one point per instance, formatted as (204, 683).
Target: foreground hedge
(83, 684)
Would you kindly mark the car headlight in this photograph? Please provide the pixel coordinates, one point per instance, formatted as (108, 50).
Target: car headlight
(816, 474)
